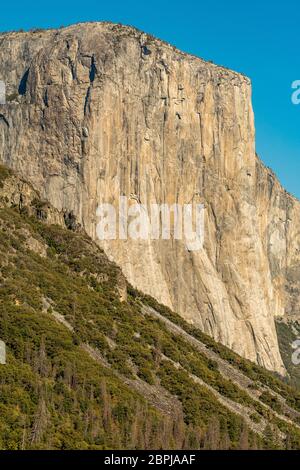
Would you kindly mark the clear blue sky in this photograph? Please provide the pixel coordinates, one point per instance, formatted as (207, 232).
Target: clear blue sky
(258, 38)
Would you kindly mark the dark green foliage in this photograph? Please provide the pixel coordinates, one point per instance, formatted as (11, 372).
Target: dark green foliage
(272, 401)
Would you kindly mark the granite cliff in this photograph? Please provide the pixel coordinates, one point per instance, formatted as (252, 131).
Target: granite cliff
(99, 110)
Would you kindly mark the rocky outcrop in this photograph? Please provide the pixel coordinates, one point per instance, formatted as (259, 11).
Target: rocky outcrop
(279, 225)
(98, 110)
(18, 193)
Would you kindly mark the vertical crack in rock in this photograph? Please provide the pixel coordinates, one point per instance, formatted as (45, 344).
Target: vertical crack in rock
(23, 83)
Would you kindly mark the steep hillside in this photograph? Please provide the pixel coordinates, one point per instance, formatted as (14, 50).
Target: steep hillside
(99, 110)
(93, 363)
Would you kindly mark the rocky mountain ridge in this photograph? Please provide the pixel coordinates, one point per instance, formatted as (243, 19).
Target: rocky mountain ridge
(99, 110)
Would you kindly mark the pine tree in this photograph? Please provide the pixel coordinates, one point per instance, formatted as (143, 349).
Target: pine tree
(244, 438)
(106, 406)
(40, 422)
(212, 436)
(225, 443)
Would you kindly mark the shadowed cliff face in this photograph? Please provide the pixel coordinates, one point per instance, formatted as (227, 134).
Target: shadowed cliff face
(96, 111)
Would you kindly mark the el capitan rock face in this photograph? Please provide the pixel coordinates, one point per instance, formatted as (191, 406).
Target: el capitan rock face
(98, 110)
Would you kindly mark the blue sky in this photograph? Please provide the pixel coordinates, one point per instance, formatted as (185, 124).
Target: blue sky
(258, 38)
